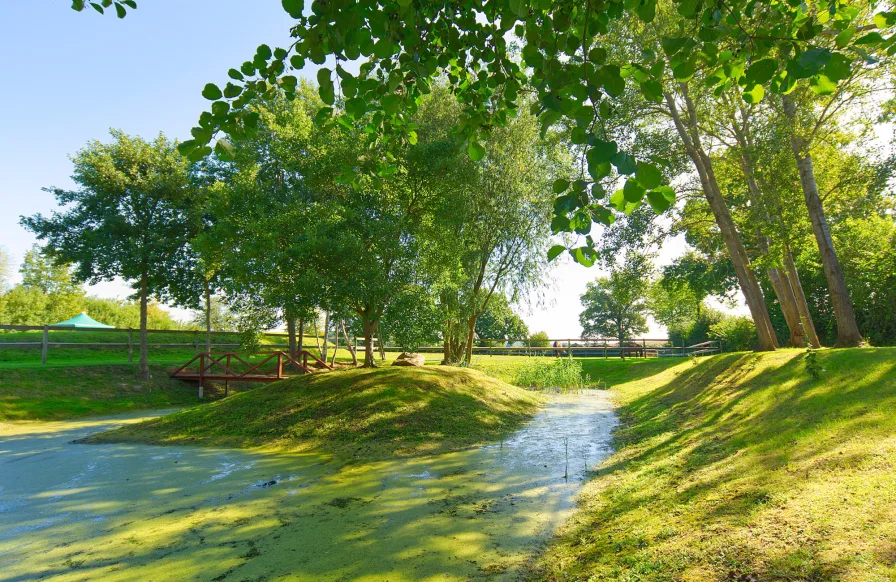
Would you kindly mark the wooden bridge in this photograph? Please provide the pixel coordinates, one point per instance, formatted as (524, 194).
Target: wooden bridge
(233, 367)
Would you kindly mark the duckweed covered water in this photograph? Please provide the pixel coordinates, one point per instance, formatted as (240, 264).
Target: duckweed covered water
(137, 512)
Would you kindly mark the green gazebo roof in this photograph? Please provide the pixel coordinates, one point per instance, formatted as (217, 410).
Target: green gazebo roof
(81, 321)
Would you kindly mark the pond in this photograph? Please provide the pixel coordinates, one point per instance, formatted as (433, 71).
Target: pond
(137, 512)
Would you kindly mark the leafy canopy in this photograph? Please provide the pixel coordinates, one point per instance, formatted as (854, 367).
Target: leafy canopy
(493, 51)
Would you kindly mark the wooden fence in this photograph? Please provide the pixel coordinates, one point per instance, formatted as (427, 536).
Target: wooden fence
(582, 347)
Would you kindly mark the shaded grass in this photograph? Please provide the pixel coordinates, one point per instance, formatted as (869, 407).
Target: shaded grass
(54, 393)
(742, 467)
(362, 411)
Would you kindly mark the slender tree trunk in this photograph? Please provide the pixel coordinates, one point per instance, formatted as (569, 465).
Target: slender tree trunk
(848, 334)
(801, 303)
(348, 344)
(208, 317)
(301, 336)
(379, 341)
(323, 353)
(335, 343)
(749, 285)
(370, 328)
(291, 334)
(779, 280)
(143, 372)
(317, 339)
(471, 338)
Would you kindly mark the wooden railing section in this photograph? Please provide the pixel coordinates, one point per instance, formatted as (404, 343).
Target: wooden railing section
(222, 367)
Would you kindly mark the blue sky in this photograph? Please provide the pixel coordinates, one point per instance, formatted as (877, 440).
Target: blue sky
(71, 76)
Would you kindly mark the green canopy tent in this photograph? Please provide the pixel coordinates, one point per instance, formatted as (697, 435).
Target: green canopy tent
(82, 321)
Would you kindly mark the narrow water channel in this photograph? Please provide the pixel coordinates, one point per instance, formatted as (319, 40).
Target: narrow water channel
(134, 512)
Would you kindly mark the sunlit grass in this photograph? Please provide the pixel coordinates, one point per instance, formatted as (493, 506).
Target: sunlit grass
(353, 411)
(743, 467)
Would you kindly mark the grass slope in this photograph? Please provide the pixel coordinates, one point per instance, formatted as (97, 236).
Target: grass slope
(742, 467)
(385, 410)
(54, 393)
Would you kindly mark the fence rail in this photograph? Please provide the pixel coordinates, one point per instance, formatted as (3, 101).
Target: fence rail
(583, 347)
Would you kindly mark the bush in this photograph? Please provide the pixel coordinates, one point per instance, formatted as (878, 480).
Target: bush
(695, 331)
(737, 333)
(561, 373)
(539, 340)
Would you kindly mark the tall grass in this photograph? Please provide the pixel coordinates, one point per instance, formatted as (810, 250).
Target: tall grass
(564, 374)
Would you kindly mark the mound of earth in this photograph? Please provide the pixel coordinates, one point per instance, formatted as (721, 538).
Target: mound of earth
(391, 410)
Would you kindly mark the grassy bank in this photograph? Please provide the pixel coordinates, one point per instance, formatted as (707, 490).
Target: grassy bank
(744, 467)
(54, 393)
(381, 411)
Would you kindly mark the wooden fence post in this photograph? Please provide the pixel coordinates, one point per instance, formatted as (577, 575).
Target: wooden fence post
(196, 344)
(45, 346)
(130, 345)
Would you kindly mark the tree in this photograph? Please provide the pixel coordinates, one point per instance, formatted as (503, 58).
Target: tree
(130, 218)
(499, 322)
(120, 7)
(409, 44)
(40, 272)
(616, 306)
(218, 317)
(4, 269)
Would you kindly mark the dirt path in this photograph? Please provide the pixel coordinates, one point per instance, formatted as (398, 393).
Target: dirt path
(128, 512)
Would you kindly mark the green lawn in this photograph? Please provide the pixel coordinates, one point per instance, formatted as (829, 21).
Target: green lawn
(53, 393)
(742, 467)
(367, 411)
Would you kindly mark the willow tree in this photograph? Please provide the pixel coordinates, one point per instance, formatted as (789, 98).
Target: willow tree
(131, 217)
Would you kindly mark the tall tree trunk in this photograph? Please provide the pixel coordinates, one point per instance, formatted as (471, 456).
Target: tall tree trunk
(848, 334)
(317, 338)
(291, 338)
(471, 338)
(301, 335)
(335, 343)
(208, 317)
(749, 285)
(379, 341)
(779, 279)
(323, 353)
(143, 372)
(370, 328)
(801, 303)
(348, 344)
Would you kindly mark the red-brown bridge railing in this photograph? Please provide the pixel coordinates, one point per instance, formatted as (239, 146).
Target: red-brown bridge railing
(220, 366)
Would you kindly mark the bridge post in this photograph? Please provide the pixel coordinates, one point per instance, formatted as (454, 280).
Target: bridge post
(201, 373)
(227, 382)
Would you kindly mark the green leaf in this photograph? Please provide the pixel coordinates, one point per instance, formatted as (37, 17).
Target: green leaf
(870, 38)
(633, 192)
(652, 90)
(294, 7)
(555, 252)
(120, 11)
(625, 164)
(838, 68)
(584, 256)
(648, 175)
(601, 151)
(810, 62)
(684, 71)
(297, 62)
(611, 79)
(822, 85)
(560, 186)
(264, 51)
(661, 199)
(520, 8)
(476, 151)
(754, 94)
(844, 37)
(212, 92)
(762, 71)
